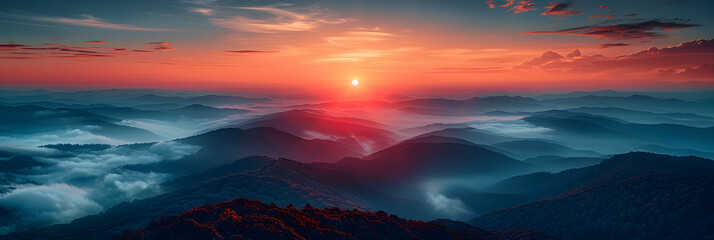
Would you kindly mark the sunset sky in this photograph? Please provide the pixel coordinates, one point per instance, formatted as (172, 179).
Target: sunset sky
(390, 46)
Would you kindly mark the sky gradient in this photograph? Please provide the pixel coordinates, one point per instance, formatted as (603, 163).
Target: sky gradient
(390, 46)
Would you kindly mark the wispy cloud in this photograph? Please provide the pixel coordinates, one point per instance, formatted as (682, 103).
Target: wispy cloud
(702, 72)
(280, 20)
(90, 21)
(197, 65)
(468, 70)
(362, 54)
(641, 30)
(204, 11)
(515, 6)
(356, 37)
(607, 45)
(10, 46)
(522, 6)
(246, 52)
(562, 9)
(161, 46)
(60, 51)
(685, 58)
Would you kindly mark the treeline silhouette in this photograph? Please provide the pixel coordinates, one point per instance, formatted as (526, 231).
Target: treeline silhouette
(249, 219)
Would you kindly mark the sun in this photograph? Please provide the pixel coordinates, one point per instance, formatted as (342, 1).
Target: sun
(355, 82)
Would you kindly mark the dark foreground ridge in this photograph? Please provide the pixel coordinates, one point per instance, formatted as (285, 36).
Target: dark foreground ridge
(250, 219)
(630, 196)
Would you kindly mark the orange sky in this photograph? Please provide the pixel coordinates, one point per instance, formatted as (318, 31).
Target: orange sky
(313, 48)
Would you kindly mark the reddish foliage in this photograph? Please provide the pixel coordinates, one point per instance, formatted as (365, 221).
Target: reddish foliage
(248, 219)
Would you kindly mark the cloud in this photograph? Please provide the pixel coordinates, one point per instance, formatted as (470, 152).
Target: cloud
(702, 72)
(204, 11)
(515, 6)
(280, 20)
(26, 52)
(490, 4)
(35, 206)
(74, 185)
(641, 30)
(698, 47)
(69, 135)
(468, 70)
(543, 59)
(451, 207)
(595, 16)
(685, 60)
(607, 45)
(244, 52)
(90, 21)
(161, 46)
(362, 54)
(631, 15)
(196, 65)
(575, 53)
(602, 6)
(561, 9)
(522, 6)
(357, 37)
(454, 208)
(10, 46)
(75, 50)
(56, 38)
(40, 48)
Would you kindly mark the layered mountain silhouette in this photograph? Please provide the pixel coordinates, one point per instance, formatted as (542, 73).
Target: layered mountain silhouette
(673, 151)
(28, 119)
(415, 131)
(311, 124)
(557, 163)
(246, 219)
(225, 145)
(128, 97)
(644, 117)
(623, 135)
(210, 100)
(279, 181)
(172, 113)
(449, 107)
(413, 160)
(630, 196)
(638, 102)
(439, 139)
(534, 148)
(473, 135)
(556, 173)
(362, 184)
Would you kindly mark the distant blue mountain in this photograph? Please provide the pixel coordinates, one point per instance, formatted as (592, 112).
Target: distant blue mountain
(630, 196)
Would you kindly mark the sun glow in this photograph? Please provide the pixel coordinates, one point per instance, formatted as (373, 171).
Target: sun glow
(355, 82)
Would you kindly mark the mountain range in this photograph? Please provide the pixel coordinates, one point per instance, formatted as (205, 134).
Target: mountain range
(635, 195)
(153, 164)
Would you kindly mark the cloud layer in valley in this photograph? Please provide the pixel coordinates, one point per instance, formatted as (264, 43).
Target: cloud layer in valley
(76, 184)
